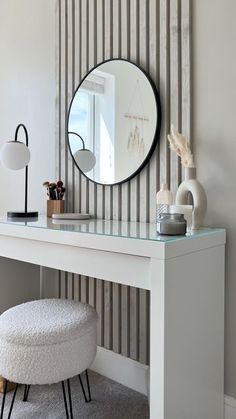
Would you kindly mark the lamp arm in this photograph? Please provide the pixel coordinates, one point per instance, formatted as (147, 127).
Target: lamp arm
(25, 131)
(74, 133)
(26, 167)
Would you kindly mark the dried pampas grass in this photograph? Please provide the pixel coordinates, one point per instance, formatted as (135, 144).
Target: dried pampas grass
(181, 146)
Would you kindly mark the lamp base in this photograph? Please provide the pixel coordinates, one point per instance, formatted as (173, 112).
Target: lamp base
(22, 214)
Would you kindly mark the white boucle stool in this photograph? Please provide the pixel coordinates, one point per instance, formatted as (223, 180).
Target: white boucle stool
(45, 342)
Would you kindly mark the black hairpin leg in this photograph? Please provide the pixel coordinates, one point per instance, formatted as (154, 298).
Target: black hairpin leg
(4, 399)
(26, 392)
(65, 400)
(12, 402)
(70, 401)
(88, 387)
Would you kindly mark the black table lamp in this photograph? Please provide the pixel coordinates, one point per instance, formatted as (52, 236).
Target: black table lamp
(15, 155)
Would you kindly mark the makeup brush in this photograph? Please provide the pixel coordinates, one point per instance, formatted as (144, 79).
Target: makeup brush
(55, 190)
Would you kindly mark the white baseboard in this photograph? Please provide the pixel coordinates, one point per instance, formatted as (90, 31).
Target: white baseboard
(230, 408)
(120, 369)
(132, 374)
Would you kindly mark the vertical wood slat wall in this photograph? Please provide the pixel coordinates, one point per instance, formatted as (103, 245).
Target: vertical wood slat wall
(156, 35)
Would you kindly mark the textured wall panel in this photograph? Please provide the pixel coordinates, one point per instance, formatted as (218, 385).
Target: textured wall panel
(156, 35)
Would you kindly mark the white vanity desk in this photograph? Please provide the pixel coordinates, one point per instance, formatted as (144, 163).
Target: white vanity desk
(185, 276)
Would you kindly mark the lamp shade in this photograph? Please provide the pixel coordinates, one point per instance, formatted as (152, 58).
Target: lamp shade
(85, 159)
(14, 155)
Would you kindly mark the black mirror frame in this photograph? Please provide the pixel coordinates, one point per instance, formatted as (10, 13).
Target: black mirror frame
(157, 130)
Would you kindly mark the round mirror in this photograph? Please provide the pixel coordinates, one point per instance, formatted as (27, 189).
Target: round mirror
(113, 122)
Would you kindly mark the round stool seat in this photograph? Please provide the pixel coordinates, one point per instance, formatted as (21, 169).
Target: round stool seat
(47, 341)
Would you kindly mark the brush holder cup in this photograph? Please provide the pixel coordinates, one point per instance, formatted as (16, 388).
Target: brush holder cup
(55, 206)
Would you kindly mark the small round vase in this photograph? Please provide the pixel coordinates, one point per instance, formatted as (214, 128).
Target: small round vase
(194, 187)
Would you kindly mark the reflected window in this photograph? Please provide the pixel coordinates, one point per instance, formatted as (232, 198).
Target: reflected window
(104, 127)
(81, 119)
(92, 115)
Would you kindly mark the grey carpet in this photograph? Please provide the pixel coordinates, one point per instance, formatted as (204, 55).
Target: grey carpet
(110, 401)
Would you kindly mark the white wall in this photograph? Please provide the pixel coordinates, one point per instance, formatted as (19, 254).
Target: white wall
(19, 282)
(27, 86)
(214, 116)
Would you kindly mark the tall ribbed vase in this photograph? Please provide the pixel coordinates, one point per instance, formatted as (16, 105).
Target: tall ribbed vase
(194, 187)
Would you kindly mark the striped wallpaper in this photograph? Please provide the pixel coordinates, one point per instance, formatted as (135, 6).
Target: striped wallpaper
(156, 35)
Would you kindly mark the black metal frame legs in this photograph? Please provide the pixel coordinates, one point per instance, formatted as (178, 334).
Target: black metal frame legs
(4, 398)
(87, 400)
(68, 400)
(69, 412)
(26, 393)
(66, 390)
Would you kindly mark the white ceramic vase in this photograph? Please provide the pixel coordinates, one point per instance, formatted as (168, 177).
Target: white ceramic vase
(194, 187)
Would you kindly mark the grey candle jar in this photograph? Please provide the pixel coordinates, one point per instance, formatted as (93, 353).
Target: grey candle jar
(171, 224)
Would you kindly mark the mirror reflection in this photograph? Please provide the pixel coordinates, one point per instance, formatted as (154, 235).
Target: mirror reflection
(114, 114)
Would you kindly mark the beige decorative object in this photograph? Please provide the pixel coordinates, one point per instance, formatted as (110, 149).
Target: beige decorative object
(186, 210)
(181, 146)
(193, 186)
(55, 206)
(136, 142)
(164, 198)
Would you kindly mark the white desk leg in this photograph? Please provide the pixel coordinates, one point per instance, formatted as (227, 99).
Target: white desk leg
(187, 336)
(157, 339)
